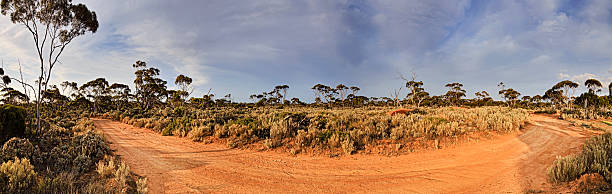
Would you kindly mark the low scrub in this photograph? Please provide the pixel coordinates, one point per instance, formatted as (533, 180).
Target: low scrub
(18, 176)
(595, 158)
(345, 130)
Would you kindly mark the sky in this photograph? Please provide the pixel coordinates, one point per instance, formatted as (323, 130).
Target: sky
(247, 47)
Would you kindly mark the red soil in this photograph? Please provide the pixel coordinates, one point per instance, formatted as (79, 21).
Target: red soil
(399, 111)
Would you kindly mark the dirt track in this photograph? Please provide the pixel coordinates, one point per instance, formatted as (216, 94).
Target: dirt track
(510, 163)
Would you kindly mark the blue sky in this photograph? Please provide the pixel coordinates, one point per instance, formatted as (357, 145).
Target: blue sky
(245, 47)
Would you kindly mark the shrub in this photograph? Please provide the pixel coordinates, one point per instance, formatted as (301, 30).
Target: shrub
(12, 122)
(348, 146)
(597, 154)
(18, 176)
(122, 174)
(272, 143)
(141, 186)
(81, 164)
(104, 169)
(596, 158)
(330, 127)
(91, 145)
(84, 125)
(303, 138)
(566, 169)
(17, 147)
(198, 133)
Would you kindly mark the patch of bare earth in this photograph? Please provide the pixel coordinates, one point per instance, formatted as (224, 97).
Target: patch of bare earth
(508, 163)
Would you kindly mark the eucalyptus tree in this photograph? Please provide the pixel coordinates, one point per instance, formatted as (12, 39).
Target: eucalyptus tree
(416, 92)
(482, 97)
(184, 84)
(14, 97)
(297, 101)
(120, 94)
(150, 89)
(54, 99)
(526, 100)
(324, 92)
(554, 96)
(510, 95)
(354, 90)
(342, 90)
(502, 87)
(53, 26)
(593, 85)
(94, 90)
(610, 89)
(567, 89)
(536, 99)
(69, 88)
(455, 92)
(281, 91)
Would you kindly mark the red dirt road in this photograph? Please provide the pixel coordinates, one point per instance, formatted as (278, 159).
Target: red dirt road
(510, 163)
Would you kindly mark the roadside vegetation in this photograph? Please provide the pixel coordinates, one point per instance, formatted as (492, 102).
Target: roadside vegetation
(343, 129)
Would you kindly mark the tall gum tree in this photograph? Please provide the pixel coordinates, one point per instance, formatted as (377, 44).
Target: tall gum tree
(53, 24)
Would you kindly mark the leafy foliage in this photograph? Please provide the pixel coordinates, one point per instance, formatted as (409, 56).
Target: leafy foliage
(12, 122)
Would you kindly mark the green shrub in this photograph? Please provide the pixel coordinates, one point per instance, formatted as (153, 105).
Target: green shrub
(12, 122)
(596, 157)
(178, 126)
(565, 169)
(18, 176)
(91, 145)
(597, 154)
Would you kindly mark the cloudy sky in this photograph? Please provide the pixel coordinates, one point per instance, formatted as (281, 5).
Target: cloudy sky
(245, 47)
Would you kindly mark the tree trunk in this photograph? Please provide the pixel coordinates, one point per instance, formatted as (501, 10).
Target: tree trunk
(38, 97)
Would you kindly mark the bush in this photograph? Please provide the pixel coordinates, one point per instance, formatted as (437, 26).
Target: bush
(17, 147)
(141, 186)
(18, 176)
(91, 145)
(106, 170)
(596, 158)
(12, 122)
(597, 154)
(348, 146)
(81, 164)
(565, 169)
(122, 174)
(84, 125)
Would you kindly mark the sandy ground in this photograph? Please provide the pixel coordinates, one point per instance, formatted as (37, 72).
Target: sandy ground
(511, 163)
